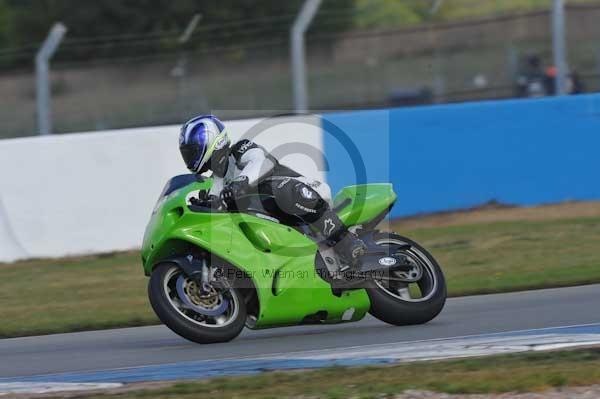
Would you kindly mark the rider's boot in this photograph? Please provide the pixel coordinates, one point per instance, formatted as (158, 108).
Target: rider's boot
(346, 244)
(350, 248)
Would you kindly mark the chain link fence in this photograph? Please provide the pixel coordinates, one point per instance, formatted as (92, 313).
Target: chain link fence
(433, 63)
(448, 62)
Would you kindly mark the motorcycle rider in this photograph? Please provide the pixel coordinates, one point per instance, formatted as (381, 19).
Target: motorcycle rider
(247, 167)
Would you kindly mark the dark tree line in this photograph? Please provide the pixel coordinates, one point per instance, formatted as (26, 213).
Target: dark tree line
(153, 25)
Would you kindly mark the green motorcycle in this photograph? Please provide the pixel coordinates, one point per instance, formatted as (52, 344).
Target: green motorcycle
(212, 272)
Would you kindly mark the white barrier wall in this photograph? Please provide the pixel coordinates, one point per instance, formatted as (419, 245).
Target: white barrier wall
(94, 192)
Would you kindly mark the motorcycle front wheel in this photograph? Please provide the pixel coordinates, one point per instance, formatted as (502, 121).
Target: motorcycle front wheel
(407, 297)
(204, 316)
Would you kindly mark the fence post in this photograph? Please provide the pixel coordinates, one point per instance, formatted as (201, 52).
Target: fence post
(298, 61)
(42, 59)
(559, 46)
(179, 71)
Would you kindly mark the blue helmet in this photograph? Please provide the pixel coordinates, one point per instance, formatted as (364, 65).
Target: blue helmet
(202, 138)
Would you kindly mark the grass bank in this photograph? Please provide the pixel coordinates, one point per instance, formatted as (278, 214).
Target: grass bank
(513, 256)
(513, 249)
(531, 372)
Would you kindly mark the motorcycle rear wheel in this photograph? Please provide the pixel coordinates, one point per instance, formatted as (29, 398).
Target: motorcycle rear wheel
(397, 302)
(181, 318)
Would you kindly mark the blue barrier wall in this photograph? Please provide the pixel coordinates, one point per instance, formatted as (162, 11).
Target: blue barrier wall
(454, 156)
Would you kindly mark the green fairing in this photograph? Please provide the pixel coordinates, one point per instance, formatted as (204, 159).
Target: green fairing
(279, 259)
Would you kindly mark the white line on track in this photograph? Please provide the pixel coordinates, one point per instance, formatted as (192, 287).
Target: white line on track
(433, 349)
(51, 387)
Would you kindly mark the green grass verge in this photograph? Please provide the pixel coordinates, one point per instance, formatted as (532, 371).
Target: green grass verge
(515, 256)
(51, 296)
(507, 373)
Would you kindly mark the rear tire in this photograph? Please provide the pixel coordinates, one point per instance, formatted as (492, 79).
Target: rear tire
(184, 326)
(392, 308)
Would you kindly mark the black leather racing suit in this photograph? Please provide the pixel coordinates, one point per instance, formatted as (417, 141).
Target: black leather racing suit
(294, 194)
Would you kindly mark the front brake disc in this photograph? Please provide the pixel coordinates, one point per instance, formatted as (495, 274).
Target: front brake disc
(214, 311)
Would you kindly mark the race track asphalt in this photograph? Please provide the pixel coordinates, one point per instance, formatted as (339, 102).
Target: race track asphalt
(110, 349)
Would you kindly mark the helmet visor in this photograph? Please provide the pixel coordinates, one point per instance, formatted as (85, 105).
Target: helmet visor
(191, 154)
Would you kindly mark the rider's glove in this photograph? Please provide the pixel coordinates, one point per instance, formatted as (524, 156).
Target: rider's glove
(235, 189)
(205, 200)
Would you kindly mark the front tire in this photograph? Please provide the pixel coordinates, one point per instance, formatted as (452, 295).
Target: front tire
(183, 320)
(392, 301)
